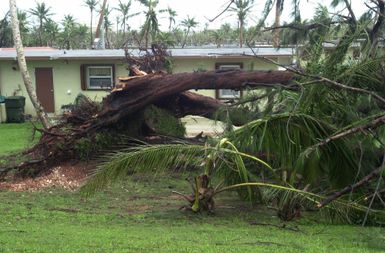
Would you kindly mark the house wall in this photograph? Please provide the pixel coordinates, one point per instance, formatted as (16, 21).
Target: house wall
(66, 77)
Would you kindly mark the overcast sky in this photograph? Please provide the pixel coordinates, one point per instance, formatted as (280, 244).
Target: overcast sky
(201, 10)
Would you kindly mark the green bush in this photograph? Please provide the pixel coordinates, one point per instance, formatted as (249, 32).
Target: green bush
(86, 147)
(163, 122)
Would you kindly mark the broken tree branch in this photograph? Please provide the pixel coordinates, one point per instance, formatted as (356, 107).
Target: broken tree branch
(220, 14)
(319, 79)
(379, 121)
(140, 92)
(351, 187)
(302, 27)
(190, 103)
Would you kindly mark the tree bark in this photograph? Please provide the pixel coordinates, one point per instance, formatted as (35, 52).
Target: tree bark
(276, 32)
(241, 27)
(190, 103)
(101, 17)
(139, 92)
(91, 42)
(367, 179)
(42, 115)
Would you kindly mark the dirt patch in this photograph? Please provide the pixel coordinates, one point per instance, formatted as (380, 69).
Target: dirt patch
(67, 176)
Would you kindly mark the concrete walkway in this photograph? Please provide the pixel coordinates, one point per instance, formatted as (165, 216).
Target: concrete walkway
(195, 125)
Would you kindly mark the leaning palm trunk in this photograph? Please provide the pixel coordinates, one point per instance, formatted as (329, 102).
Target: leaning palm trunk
(42, 115)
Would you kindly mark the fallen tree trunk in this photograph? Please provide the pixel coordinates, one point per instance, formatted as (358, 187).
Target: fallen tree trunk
(190, 103)
(142, 91)
(125, 106)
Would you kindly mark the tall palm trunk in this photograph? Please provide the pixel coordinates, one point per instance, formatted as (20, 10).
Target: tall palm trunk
(241, 26)
(185, 38)
(146, 33)
(91, 42)
(41, 32)
(23, 66)
(124, 28)
(277, 22)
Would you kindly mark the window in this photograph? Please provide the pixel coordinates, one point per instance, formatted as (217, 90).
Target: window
(97, 77)
(228, 93)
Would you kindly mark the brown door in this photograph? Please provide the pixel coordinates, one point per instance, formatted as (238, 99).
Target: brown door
(44, 88)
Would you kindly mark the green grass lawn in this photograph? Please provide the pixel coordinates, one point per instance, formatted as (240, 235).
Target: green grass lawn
(15, 137)
(141, 215)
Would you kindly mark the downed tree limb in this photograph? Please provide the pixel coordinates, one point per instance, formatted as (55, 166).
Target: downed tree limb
(320, 79)
(124, 108)
(377, 122)
(190, 103)
(351, 187)
(149, 89)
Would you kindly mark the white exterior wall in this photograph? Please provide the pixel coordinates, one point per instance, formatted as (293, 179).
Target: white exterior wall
(66, 77)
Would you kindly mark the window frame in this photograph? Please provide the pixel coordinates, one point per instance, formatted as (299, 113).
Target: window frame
(85, 77)
(218, 94)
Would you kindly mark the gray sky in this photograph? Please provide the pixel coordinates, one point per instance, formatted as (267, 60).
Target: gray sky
(200, 9)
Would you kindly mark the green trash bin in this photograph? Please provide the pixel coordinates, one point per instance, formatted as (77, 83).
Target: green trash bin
(15, 109)
(3, 115)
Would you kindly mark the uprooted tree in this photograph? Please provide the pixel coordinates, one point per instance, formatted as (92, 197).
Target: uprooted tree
(123, 109)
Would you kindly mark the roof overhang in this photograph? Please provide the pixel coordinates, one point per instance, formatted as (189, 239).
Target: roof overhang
(36, 54)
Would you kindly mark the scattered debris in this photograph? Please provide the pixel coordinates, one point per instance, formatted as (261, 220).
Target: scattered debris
(66, 176)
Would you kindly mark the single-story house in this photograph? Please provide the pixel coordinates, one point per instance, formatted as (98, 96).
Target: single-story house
(60, 75)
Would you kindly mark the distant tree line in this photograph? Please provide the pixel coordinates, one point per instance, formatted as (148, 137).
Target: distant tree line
(39, 29)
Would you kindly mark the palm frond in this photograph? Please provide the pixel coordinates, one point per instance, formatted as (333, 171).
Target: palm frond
(338, 211)
(282, 141)
(146, 159)
(155, 158)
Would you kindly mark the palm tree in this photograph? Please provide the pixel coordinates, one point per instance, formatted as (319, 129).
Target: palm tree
(69, 30)
(42, 13)
(22, 16)
(107, 23)
(91, 5)
(80, 36)
(188, 23)
(118, 21)
(241, 9)
(166, 38)
(151, 25)
(52, 30)
(5, 32)
(232, 167)
(171, 16)
(218, 37)
(124, 9)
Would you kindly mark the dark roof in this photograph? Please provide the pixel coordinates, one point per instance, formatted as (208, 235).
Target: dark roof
(52, 54)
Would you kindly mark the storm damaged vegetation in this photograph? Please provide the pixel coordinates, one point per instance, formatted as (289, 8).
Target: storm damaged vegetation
(310, 138)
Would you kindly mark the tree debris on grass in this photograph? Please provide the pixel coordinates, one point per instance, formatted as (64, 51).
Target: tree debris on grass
(122, 111)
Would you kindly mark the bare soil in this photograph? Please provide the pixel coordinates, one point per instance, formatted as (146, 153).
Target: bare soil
(67, 176)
